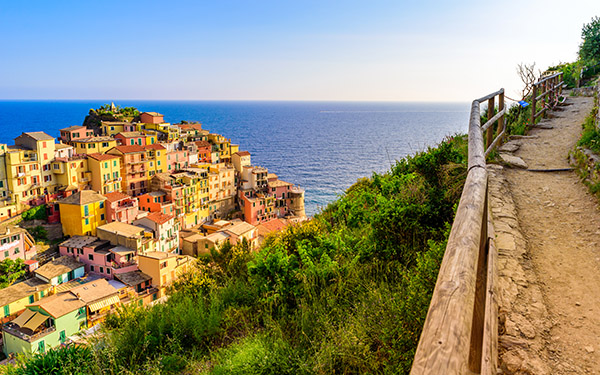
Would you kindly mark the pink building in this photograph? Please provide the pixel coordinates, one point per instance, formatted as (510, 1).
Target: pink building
(75, 132)
(16, 243)
(152, 118)
(130, 139)
(99, 256)
(176, 160)
(121, 207)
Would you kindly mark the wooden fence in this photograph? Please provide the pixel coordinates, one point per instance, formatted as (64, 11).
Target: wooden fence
(460, 335)
(551, 89)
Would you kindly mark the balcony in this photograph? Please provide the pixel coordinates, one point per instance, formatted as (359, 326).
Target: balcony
(16, 331)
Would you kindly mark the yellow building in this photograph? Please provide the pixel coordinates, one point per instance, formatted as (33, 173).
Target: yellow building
(221, 148)
(82, 212)
(94, 145)
(72, 173)
(163, 267)
(23, 174)
(112, 128)
(151, 137)
(106, 172)
(156, 155)
(222, 190)
(131, 236)
(14, 298)
(195, 195)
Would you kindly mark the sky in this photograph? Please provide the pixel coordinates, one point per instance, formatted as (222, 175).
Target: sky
(375, 50)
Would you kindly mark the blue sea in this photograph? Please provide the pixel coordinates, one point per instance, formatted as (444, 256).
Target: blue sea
(322, 146)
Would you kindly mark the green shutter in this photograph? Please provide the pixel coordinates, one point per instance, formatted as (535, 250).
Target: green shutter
(41, 346)
(63, 336)
(6, 310)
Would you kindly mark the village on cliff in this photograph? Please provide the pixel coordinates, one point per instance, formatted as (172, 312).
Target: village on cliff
(138, 200)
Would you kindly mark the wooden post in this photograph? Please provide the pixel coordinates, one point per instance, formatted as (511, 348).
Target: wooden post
(490, 130)
(501, 119)
(533, 104)
(544, 89)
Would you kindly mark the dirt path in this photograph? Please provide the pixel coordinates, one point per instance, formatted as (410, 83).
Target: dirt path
(560, 223)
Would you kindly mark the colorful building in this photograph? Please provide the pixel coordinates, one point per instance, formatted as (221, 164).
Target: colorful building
(164, 268)
(130, 139)
(72, 173)
(60, 270)
(156, 155)
(14, 298)
(82, 212)
(94, 145)
(75, 132)
(164, 228)
(127, 235)
(156, 201)
(16, 243)
(112, 128)
(105, 171)
(134, 168)
(121, 207)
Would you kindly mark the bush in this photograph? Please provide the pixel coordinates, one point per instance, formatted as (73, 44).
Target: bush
(35, 213)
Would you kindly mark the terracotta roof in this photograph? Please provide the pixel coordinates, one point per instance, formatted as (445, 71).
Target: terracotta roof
(156, 146)
(159, 217)
(59, 304)
(152, 113)
(130, 149)
(190, 126)
(103, 156)
(59, 266)
(242, 153)
(203, 143)
(74, 127)
(83, 197)
(59, 146)
(116, 196)
(273, 225)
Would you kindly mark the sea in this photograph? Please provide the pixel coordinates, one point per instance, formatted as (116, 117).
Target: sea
(323, 147)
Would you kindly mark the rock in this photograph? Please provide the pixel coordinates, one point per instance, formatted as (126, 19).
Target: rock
(544, 126)
(577, 303)
(509, 147)
(513, 161)
(589, 349)
(511, 361)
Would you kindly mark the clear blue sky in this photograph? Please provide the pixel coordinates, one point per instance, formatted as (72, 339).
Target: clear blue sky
(280, 50)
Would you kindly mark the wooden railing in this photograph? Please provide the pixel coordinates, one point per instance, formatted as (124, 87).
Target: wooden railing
(460, 335)
(551, 89)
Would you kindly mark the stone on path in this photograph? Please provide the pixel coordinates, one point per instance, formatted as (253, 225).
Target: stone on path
(513, 161)
(511, 146)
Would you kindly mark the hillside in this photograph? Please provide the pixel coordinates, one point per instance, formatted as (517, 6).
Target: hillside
(346, 292)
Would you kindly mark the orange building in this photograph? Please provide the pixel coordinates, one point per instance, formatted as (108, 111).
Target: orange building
(133, 168)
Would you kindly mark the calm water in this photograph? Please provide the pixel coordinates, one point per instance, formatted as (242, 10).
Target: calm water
(321, 146)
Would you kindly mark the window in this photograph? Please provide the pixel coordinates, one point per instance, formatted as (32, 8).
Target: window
(114, 163)
(132, 142)
(31, 299)
(108, 271)
(91, 268)
(87, 221)
(62, 336)
(101, 216)
(60, 279)
(41, 346)
(91, 256)
(6, 310)
(101, 269)
(17, 251)
(102, 204)
(6, 254)
(105, 164)
(104, 144)
(86, 210)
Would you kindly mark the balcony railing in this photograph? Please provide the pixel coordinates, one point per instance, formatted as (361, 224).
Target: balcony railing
(14, 330)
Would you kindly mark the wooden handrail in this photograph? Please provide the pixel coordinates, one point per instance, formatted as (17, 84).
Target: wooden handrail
(552, 89)
(460, 334)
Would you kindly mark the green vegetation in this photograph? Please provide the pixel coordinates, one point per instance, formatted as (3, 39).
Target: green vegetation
(39, 233)
(73, 360)
(346, 292)
(35, 213)
(11, 271)
(589, 50)
(117, 113)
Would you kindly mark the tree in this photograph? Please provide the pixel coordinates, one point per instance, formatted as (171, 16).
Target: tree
(10, 271)
(589, 50)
